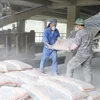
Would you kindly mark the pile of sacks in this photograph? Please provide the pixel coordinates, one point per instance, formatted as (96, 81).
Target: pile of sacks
(20, 81)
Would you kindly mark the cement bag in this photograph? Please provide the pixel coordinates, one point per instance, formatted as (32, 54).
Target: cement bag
(83, 86)
(7, 80)
(69, 92)
(94, 95)
(34, 72)
(42, 93)
(12, 93)
(63, 45)
(7, 67)
(72, 89)
(20, 65)
(23, 77)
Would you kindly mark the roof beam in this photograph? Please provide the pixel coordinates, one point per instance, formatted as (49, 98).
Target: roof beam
(64, 1)
(45, 2)
(53, 14)
(23, 15)
(62, 16)
(59, 6)
(87, 2)
(84, 16)
(89, 11)
(60, 1)
(21, 3)
(63, 11)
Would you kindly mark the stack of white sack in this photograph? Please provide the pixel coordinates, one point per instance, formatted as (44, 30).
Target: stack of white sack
(23, 77)
(67, 90)
(42, 93)
(9, 81)
(40, 86)
(82, 86)
(12, 93)
(63, 45)
(19, 65)
(7, 67)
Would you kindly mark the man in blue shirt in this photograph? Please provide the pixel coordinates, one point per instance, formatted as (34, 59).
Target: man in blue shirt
(51, 35)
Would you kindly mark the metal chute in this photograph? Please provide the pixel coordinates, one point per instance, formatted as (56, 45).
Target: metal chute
(93, 23)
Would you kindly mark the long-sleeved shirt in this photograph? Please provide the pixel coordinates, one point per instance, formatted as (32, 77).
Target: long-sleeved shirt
(50, 37)
(83, 40)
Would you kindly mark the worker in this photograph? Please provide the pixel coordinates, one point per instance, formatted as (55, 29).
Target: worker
(51, 35)
(83, 44)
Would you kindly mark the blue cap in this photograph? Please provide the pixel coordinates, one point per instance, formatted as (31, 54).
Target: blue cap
(53, 21)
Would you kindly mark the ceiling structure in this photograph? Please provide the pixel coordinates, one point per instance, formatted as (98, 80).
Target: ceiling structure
(16, 10)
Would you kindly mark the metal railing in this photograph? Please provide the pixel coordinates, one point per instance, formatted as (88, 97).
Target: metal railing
(39, 36)
(16, 44)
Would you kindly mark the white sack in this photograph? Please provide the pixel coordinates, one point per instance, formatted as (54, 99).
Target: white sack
(18, 64)
(83, 86)
(42, 93)
(34, 73)
(63, 45)
(67, 90)
(23, 77)
(7, 67)
(7, 80)
(12, 93)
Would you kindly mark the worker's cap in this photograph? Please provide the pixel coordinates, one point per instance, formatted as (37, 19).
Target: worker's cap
(79, 21)
(54, 21)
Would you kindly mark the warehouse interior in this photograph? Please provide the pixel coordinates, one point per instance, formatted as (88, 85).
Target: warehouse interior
(22, 45)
